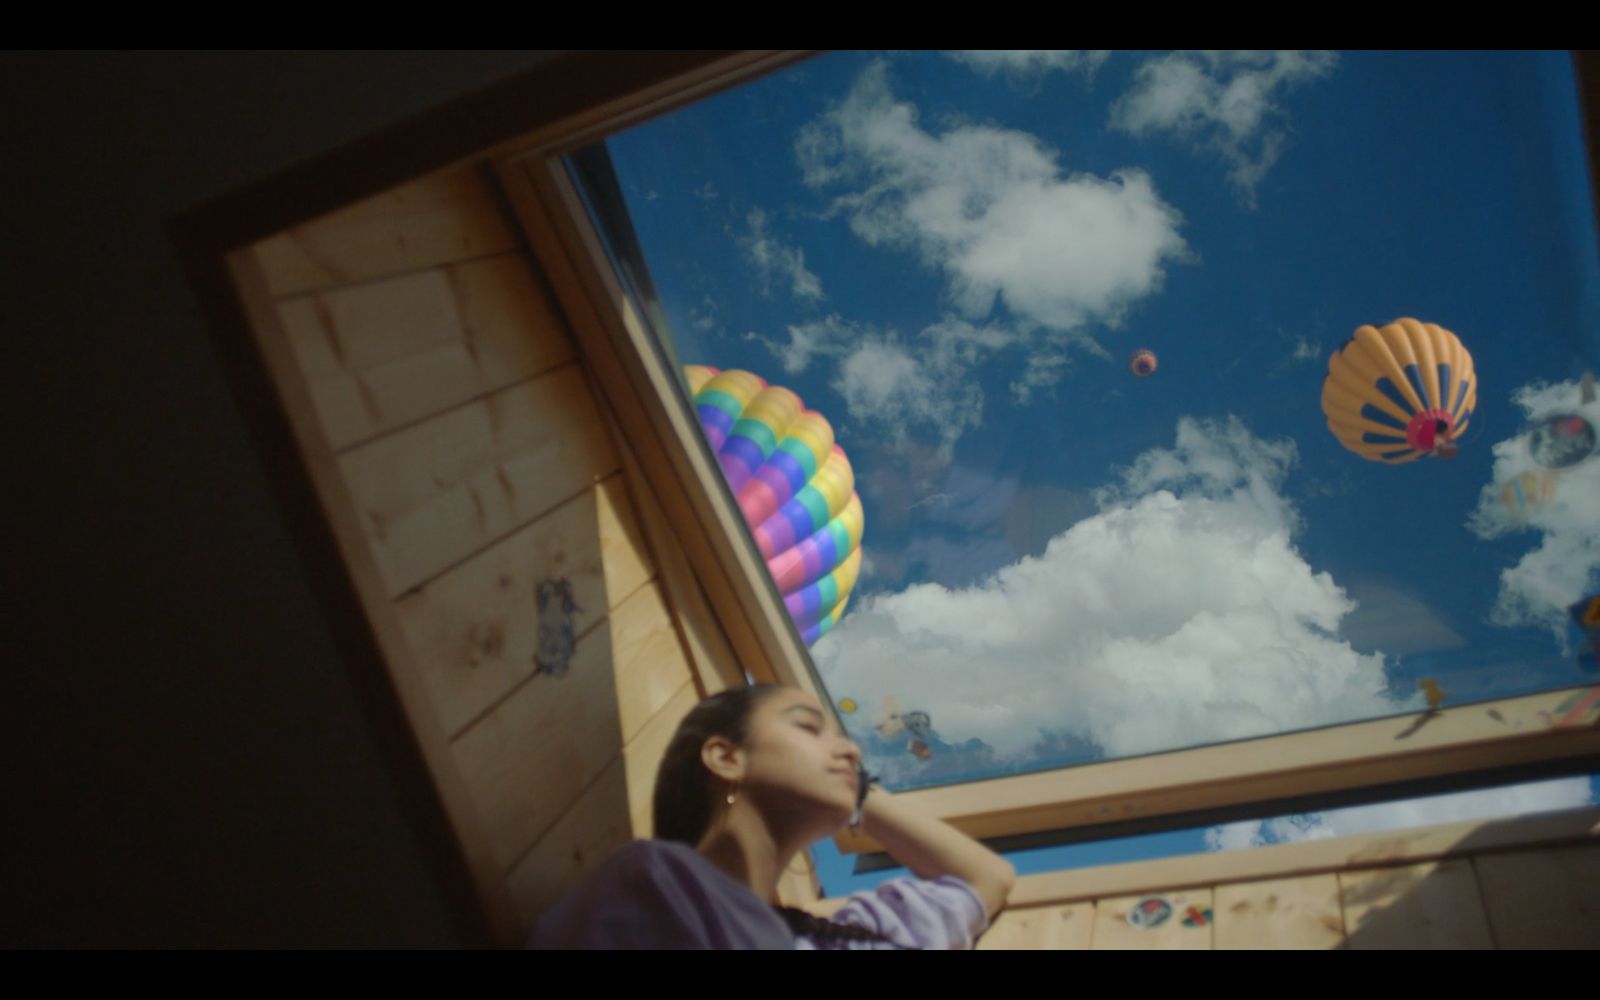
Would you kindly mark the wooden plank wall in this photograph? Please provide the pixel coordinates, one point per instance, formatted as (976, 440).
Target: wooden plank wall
(472, 455)
(1537, 898)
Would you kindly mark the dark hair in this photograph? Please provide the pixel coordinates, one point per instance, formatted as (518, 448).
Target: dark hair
(683, 794)
(683, 801)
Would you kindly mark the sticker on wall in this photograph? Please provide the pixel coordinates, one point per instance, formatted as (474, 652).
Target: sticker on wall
(1561, 440)
(1579, 708)
(1149, 913)
(1197, 916)
(1432, 691)
(557, 637)
(888, 723)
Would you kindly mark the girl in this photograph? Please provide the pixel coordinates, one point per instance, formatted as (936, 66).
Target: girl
(752, 777)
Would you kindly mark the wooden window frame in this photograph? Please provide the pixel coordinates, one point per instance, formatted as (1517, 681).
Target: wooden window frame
(522, 128)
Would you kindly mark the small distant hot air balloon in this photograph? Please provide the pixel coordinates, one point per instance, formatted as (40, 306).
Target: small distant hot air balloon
(795, 488)
(847, 706)
(1143, 362)
(1401, 392)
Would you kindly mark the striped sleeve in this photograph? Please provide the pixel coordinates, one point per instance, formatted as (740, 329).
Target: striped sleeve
(937, 914)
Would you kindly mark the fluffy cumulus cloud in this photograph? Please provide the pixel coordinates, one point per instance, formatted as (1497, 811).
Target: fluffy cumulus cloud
(777, 262)
(1223, 101)
(894, 386)
(1031, 64)
(1486, 803)
(993, 210)
(1179, 613)
(1561, 508)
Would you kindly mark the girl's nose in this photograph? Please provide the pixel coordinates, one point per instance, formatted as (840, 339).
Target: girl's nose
(850, 750)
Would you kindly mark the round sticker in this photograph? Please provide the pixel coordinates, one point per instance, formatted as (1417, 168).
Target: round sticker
(1150, 913)
(1561, 440)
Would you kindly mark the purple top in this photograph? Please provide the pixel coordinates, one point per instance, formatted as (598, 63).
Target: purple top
(659, 894)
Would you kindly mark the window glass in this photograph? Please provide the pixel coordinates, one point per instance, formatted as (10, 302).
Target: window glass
(1073, 319)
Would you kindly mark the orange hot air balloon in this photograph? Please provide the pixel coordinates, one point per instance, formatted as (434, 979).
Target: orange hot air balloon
(1400, 392)
(1143, 362)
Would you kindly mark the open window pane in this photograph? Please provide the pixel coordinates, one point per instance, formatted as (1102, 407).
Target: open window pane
(841, 874)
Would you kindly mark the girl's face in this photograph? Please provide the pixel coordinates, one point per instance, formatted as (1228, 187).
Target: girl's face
(799, 768)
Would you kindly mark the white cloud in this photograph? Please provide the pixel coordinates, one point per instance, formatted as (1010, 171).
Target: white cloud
(1178, 614)
(1030, 64)
(892, 386)
(992, 209)
(1565, 565)
(1486, 803)
(892, 389)
(704, 316)
(776, 260)
(1224, 101)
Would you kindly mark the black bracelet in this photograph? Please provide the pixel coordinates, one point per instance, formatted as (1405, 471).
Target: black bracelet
(864, 783)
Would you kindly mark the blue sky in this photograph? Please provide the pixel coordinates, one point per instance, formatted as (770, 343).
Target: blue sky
(952, 258)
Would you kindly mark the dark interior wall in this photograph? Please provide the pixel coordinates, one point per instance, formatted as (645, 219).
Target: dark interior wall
(187, 762)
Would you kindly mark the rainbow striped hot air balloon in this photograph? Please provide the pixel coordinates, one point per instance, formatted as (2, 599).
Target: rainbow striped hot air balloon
(795, 488)
(1400, 392)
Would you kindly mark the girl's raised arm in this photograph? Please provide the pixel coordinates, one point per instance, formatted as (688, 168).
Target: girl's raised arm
(931, 847)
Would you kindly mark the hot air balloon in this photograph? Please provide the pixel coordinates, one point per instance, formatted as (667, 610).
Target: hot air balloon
(1400, 392)
(1528, 492)
(1143, 362)
(794, 486)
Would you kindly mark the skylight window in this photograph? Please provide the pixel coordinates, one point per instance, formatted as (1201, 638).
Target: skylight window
(1074, 551)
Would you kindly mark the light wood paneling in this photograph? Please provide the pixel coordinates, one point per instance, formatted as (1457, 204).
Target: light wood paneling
(642, 756)
(649, 661)
(1308, 857)
(531, 757)
(1542, 899)
(1302, 913)
(586, 833)
(1181, 930)
(382, 354)
(444, 217)
(1414, 906)
(433, 494)
(1041, 928)
(475, 629)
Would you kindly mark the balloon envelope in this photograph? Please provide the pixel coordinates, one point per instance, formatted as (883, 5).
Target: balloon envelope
(794, 486)
(1397, 393)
